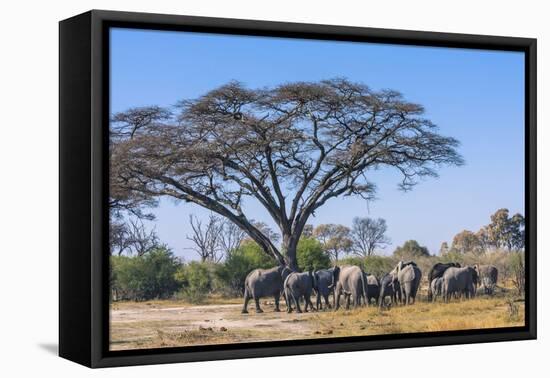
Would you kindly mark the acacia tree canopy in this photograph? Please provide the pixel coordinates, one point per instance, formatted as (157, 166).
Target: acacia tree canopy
(292, 148)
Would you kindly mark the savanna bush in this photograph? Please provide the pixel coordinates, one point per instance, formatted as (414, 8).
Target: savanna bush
(150, 276)
(310, 255)
(195, 279)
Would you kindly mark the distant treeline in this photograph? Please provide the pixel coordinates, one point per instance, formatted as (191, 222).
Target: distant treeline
(143, 268)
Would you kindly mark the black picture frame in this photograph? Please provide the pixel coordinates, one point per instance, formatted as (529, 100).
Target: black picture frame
(83, 166)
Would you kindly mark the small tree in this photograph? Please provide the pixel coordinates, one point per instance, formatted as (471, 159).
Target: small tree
(231, 237)
(206, 238)
(411, 249)
(444, 249)
(335, 239)
(368, 234)
(517, 265)
(466, 241)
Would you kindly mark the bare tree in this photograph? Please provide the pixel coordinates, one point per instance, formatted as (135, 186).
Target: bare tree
(132, 237)
(231, 237)
(368, 234)
(206, 238)
(335, 239)
(291, 148)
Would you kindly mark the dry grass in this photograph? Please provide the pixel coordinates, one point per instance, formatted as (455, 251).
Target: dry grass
(174, 323)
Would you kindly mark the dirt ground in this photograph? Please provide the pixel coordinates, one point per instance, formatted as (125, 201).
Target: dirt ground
(171, 323)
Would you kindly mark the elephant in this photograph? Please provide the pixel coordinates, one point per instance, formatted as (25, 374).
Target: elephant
(298, 285)
(264, 283)
(408, 274)
(488, 276)
(389, 287)
(373, 288)
(352, 283)
(325, 285)
(459, 281)
(436, 272)
(435, 287)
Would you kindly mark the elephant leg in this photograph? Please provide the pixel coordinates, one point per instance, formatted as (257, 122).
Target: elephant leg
(288, 297)
(337, 301)
(297, 302)
(327, 303)
(310, 304)
(277, 309)
(318, 303)
(245, 305)
(348, 301)
(257, 301)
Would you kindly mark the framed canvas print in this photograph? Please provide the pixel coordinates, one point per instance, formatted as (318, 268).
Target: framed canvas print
(234, 188)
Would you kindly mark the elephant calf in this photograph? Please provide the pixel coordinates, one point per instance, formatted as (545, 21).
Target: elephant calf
(373, 288)
(389, 287)
(435, 288)
(437, 271)
(297, 286)
(325, 285)
(264, 283)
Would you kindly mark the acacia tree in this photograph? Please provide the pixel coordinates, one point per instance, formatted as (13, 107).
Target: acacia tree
(368, 234)
(291, 148)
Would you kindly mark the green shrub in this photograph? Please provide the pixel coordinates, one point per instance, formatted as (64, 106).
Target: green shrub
(231, 274)
(144, 277)
(310, 255)
(352, 260)
(377, 265)
(195, 280)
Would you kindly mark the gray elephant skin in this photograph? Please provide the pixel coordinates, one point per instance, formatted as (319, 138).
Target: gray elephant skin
(298, 286)
(459, 281)
(389, 287)
(408, 274)
(488, 276)
(352, 283)
(435, 287)
(437, 271)
(264, 283)
(373, 288)
(326, 280)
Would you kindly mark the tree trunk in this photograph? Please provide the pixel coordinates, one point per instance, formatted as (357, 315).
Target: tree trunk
(289, 249)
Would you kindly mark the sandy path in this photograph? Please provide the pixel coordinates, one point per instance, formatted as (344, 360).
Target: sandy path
(144, 323)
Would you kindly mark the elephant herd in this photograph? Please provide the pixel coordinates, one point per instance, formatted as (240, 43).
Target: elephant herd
(354, 285)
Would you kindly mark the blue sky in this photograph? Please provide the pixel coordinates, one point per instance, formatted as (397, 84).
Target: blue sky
(475, 96)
